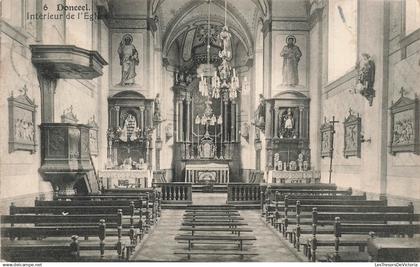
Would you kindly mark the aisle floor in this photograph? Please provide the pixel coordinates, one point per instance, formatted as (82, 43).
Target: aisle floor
(160, 244)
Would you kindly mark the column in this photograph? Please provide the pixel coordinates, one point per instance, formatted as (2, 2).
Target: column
(237, 122)
(188, 133)
(225, 122)
(233, 121)
(267, 57)
(177, 120)
(48, 85)
(301, 121)
(179, 116)
(117, 108)
(142, 123)
(276, 122)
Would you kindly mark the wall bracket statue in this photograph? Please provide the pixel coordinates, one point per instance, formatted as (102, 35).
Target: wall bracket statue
(366, 77)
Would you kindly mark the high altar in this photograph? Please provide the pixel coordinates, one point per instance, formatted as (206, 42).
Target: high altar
(202, 143)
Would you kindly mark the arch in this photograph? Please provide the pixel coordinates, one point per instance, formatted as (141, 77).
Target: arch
(127, 94)
(291, 95)
(175, 26)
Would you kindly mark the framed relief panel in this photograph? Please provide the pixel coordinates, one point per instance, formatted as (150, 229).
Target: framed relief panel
(405, 125)
(327, 131)
(352, 138)
(22, 111)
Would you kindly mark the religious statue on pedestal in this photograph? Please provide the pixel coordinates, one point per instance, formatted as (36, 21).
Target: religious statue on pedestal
(260, 113)
(129, 58)
(291, 55)
(157, 113)
(366, 77)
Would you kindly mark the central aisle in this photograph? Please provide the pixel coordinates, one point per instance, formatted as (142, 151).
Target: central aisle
(160, 244)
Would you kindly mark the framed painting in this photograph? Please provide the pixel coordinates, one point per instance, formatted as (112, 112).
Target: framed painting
(327, 131)
(22, 130)
(352, 138)
(405, 125)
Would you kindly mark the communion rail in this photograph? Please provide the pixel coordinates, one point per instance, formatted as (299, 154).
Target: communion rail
(244, 193)
(176, 192)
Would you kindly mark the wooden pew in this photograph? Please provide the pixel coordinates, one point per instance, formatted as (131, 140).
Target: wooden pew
(357, 226)
(134, 215)
(338, 195)
(82, 226)
(272, 208)
(214, 219)
(152, 203)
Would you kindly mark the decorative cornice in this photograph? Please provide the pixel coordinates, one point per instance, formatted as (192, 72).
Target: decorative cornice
(128, 23)
(282, 25)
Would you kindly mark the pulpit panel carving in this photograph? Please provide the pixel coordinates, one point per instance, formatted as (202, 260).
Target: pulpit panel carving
(56, 142)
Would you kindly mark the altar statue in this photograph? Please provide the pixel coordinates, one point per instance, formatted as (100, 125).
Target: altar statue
(287, 124)
(129, 58)
(130, 130)
(291, 55)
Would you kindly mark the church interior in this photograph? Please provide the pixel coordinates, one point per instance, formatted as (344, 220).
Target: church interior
(210, 130)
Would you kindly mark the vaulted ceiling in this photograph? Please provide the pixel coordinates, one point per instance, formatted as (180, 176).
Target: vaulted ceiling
(176, 16)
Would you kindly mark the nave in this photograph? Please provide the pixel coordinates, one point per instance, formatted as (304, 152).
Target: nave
(250, 130)
(295, 222)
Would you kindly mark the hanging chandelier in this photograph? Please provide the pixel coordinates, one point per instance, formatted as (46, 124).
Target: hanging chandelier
(224, 78)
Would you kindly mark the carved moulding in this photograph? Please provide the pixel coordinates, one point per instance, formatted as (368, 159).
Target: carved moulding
(22, 112)
(405, 125)
(327, 130)
(352, 135)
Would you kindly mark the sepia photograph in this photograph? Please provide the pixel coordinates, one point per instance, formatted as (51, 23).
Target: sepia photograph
(209, 131)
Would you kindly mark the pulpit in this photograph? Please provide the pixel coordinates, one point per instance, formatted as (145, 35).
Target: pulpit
(65, 156)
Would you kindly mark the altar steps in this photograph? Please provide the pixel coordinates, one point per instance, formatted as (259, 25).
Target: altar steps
(202, 188)
(184, 206)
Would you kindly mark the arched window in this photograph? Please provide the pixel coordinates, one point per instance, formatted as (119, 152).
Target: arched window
(342, 37)
(412, 16)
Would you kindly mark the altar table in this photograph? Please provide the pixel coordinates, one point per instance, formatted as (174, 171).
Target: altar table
(207, 173)
(112, 179)
(301, 177)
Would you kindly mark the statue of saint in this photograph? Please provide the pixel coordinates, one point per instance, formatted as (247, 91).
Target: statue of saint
(157, 114)
(366, 77)
(129, 58)
(291, 55)
(260, 113)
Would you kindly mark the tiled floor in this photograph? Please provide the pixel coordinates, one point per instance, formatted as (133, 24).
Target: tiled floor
(160, 244)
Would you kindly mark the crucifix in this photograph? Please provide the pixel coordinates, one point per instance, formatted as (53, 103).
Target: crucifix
(333, 122)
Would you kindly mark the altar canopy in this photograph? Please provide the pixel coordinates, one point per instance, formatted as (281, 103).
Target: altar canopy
(207, 173)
